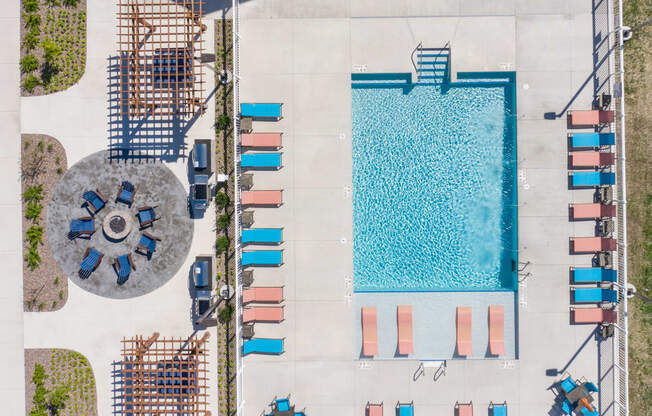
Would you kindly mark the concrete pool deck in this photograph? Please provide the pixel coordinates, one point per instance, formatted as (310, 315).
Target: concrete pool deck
(303, 55)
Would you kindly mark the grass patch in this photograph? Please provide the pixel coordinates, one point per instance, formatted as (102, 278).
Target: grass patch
(638, 82)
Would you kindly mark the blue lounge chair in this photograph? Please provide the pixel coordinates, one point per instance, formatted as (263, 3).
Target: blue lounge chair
(263, 346)
(261, 160)
(147, 216)
(82, 226)
(282, 405)
(123, 265)
(595, 295)
(594, 275)
(405, 409)
(591, 387)
(567, 384)
(91, 259)
(262, 236)
(498, 409)
(262, 258)
(593, 139)
(592, 178)
(126, 193)
(147, 244)
(95, 201)
(566, 407)
(261, 110)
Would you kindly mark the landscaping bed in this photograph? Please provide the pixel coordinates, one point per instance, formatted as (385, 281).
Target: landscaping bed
(58, 382)
(638, 109)
(43, 163)
(53, 45)
(227, 342)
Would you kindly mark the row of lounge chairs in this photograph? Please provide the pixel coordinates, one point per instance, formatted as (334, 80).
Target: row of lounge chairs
(460, 409)
(593, 150)
(404, 328)
(266, 313)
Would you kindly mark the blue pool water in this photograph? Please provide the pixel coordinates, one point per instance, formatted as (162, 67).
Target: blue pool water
(433, 188)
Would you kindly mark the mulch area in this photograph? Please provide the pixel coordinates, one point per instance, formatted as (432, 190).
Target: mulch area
(46, 287)
(63, 367)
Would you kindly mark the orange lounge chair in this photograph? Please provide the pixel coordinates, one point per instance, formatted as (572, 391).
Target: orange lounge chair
(594, 316)
(497, 330)
(262, 314)
(592, 244)
(266, 140)
(464, 346)
(404, 324)
(591, 159)
(262, 198)
(464, 409)
(590, 117)
(263, 294)
(369, 332)
(374, 409)
(590, 211)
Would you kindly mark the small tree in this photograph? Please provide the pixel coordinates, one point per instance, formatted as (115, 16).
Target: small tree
(28, 64)
(223, 221)
(52, 51)
(222, 244)
(222, 200)
(225, 313)
(31, 82)
(223, 122)
(57, 399)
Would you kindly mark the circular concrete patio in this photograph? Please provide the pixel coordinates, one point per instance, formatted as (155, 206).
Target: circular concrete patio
(155, 185)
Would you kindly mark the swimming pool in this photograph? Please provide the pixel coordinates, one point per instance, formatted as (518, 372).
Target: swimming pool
(434, 195)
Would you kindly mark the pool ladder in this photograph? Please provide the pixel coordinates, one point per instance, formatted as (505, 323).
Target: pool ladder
(433, 64)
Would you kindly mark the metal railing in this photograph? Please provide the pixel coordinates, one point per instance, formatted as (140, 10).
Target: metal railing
(236, 205)
(620, 373)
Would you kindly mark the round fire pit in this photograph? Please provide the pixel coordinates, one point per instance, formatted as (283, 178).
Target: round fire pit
(117, 224)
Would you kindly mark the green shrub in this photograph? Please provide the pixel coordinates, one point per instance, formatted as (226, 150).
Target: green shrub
(33, 211)
(70, 3)
(222, 244)
(30, 5)
(57, 398)
(41, 146)
(33, 258)
(50, 148)
(31, 82)
(39, 376)
(31, 39)
(28, 64)
(34, 235)
(222, 200)
(223, 122)
(33, 193)
(223, 221)
(32, 21)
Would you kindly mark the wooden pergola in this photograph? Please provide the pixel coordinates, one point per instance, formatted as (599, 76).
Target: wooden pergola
(160, 44)
(163, 377)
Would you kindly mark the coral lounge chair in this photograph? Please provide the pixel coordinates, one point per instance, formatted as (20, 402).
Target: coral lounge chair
(404, 324)
(374, 409)
(262, 198)
(464, 345)
(261, 140)
(262, 314)
(369, 332)
(592, 244)
(594, 315)
(591, 159)
(263, 294)
(592, 211)
(497, 330)
(581, 118)
(464, 409)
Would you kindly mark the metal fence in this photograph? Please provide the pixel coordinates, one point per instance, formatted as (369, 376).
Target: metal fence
(236, 204)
